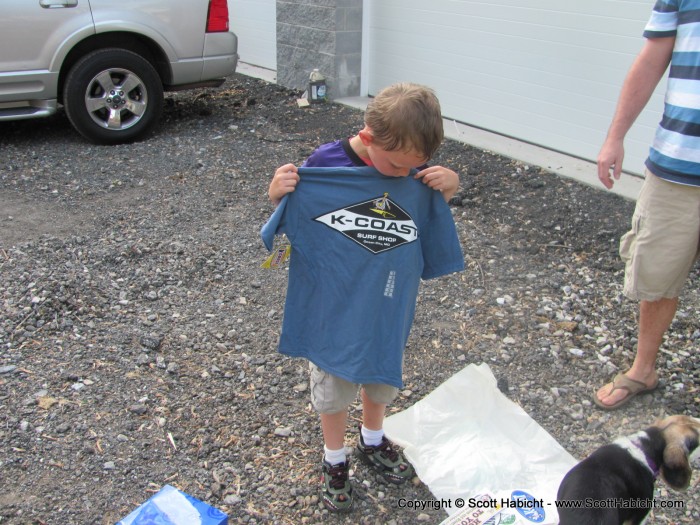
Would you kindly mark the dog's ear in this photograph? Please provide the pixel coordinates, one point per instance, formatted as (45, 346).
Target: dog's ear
(676, 469)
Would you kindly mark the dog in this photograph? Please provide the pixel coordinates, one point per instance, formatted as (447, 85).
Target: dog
(615, 484)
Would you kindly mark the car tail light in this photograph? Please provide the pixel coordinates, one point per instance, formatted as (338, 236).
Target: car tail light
(217, 18)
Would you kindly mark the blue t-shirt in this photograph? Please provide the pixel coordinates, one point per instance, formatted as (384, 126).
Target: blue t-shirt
(361, 242)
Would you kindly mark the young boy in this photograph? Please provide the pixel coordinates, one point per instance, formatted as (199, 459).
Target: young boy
(350, 305)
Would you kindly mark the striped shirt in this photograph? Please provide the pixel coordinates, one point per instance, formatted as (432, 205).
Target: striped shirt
(675, 152)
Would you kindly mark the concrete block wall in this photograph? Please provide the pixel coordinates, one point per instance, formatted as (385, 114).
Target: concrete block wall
(323, 34)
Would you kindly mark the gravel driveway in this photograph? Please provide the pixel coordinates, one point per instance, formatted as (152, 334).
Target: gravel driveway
(138, 331)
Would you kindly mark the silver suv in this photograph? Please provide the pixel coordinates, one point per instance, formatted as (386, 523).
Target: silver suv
(108, 62)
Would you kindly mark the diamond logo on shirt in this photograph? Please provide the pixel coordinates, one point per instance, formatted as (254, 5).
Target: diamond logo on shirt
(377, 224)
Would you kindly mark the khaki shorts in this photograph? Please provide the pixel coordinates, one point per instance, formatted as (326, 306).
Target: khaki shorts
(331, 394)
(662, 246)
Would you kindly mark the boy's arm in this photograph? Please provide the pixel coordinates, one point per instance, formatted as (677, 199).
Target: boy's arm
(441, 179)
(283, 181)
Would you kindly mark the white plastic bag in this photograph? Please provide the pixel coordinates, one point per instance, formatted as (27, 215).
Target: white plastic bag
(467, 439)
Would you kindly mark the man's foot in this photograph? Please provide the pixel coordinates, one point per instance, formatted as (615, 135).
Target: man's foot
(621, 390)
(386, 459)
(336, 491)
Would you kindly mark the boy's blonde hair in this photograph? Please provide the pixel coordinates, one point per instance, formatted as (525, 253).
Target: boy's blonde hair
(406, 117)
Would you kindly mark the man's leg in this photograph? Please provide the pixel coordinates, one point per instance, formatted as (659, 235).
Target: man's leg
(655, 318)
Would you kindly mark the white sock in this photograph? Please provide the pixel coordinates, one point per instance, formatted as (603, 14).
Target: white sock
(372, 438)
(334, 457)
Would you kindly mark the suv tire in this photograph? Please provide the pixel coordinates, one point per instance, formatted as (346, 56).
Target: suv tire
(113, 96)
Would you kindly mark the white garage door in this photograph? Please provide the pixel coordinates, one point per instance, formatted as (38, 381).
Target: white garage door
(255, 24)
(543, 71)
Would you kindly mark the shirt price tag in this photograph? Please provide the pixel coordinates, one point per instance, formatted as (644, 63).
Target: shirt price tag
(280, 254)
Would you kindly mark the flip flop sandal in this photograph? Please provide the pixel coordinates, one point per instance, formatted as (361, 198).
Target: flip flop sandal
(631, 386)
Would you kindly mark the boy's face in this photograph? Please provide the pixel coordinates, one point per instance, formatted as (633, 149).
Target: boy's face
(391, 163)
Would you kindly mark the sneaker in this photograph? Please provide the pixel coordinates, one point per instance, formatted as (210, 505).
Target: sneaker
(336, 491)
(386, 459)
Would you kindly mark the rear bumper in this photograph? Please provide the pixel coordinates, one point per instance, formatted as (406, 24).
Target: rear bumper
(219, 60)
(214, 82)
(220, 55)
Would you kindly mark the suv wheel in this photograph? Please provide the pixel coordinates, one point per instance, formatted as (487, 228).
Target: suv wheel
(113, 96)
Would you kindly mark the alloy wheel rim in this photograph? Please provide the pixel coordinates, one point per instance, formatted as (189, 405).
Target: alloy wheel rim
(116, 99)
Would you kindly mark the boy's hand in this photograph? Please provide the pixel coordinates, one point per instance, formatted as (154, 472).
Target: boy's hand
(440, 179)
(283, 181)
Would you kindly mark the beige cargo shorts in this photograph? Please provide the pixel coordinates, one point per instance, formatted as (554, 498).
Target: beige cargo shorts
(331, 394)
(662, 246)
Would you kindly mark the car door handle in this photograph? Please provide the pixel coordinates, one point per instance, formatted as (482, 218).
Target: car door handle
(52, 4)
